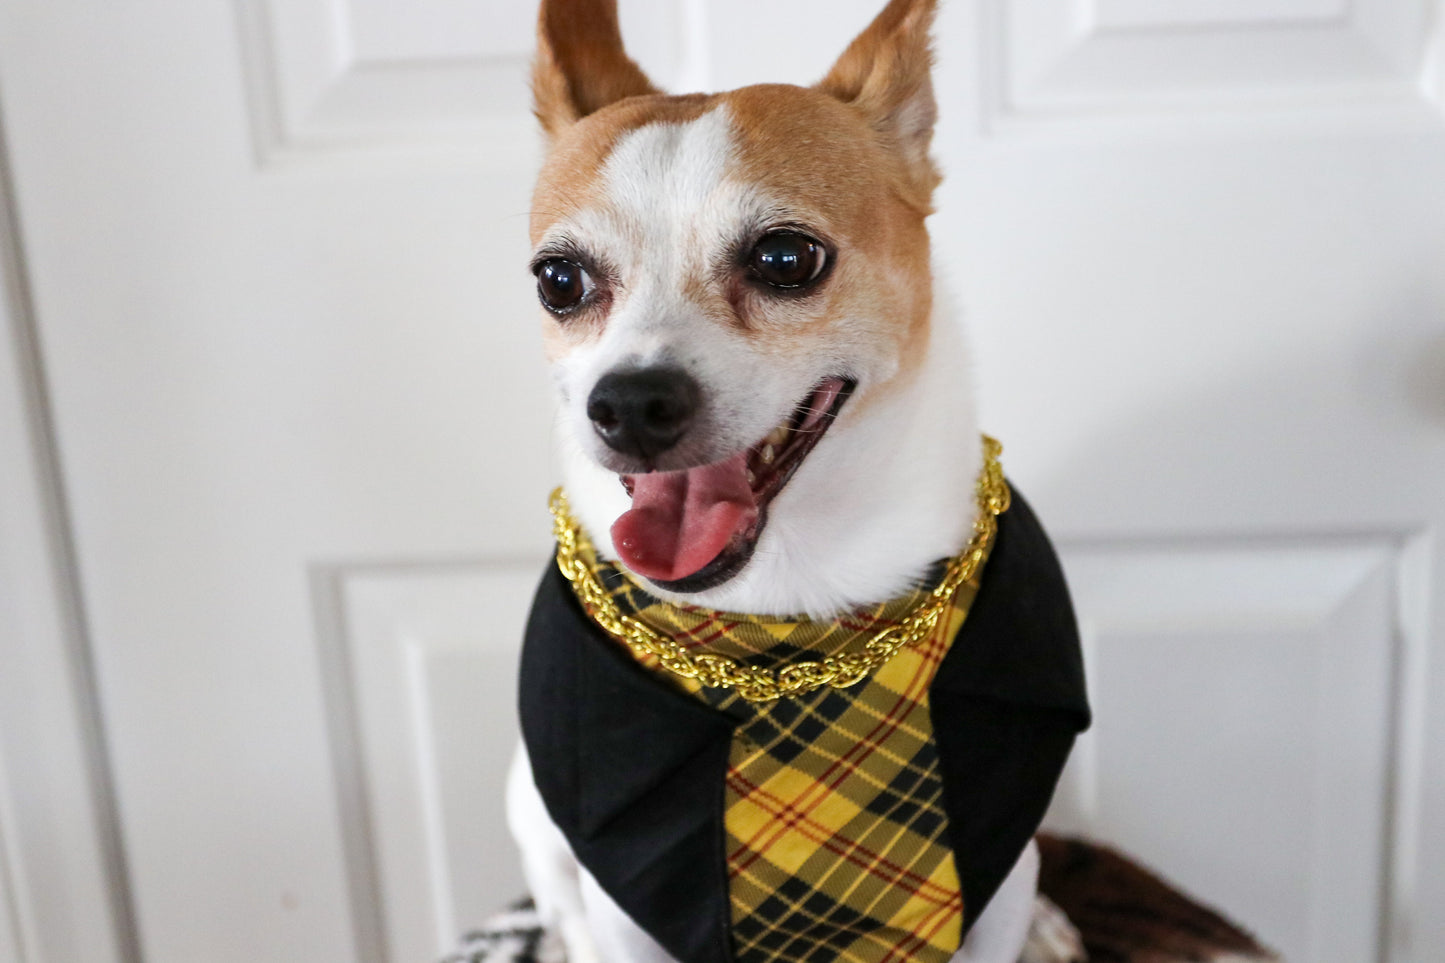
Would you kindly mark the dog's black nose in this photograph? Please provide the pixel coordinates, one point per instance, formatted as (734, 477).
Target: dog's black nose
(643, 413)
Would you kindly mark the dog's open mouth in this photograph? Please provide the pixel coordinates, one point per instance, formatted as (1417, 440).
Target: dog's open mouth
(694, 529)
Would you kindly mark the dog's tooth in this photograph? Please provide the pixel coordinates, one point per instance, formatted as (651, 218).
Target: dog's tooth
(752, 479)
(779, 435)
(768, 454)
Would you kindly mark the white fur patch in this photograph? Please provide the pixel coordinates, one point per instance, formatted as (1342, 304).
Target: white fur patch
(1052, 938)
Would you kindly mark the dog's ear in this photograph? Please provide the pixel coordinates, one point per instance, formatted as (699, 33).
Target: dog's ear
(887, 75)
(581, 66)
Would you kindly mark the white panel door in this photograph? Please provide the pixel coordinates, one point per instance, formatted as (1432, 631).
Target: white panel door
(9, 922)
(61, 871)
(276, 250)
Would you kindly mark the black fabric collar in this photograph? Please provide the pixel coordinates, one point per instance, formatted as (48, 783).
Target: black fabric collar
(1020, 643)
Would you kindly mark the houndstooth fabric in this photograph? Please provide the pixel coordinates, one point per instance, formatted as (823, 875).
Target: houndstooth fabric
(513, 936)
(837, 845)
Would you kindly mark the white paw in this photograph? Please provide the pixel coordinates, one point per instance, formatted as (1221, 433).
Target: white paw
(1052, 938)
(551, 949)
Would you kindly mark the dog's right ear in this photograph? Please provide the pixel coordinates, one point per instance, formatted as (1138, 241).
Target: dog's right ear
(581, 65)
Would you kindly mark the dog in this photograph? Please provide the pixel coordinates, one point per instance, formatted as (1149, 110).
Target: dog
(764, 407)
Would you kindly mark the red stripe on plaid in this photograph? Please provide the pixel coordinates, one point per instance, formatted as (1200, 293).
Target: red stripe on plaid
(912, 942)
(706, 633)
(854, 853)
(922, 937)
(821, 787)
(866, 621)
(935, 921)
(712, 628)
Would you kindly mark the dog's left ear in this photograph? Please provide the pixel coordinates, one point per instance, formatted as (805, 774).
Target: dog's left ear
(581, 65)
(887, 74)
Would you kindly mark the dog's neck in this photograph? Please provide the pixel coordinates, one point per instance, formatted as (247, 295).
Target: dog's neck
(886, 495)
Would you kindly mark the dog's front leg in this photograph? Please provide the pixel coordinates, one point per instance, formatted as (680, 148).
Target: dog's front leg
(570, 903)
(999, 934)
(552, 872)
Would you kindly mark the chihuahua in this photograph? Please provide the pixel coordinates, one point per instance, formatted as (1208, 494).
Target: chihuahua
(764, 409)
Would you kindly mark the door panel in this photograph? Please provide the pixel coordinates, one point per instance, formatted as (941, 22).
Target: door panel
(425, 658)
(9, 919)
(62, 879)
(345, 80)
(1207, 296)
(1247, 700)
(1056, 60)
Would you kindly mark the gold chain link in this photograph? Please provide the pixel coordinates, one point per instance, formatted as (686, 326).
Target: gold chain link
(765, 684)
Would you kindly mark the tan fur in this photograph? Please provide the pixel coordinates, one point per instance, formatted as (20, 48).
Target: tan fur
(1126, 914)
(581, 66)
(886, 75)
(821, 154)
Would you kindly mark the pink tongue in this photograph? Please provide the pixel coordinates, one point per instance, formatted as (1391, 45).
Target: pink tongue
(682, 520)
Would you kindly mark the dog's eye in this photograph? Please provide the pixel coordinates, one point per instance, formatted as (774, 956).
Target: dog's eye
(789, 260)
(562, 284)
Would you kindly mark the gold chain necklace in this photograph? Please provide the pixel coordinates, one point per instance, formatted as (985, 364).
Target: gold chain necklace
(799, 678)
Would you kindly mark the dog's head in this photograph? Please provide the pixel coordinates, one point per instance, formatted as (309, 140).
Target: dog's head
(729, 282)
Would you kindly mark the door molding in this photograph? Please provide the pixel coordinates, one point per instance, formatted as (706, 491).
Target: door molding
(1101, 66)
(1333, 625)
(61, 851)
(420, 662)
(323, 81)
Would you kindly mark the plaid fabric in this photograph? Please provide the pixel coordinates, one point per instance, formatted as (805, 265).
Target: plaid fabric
(837, 845)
